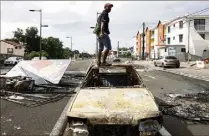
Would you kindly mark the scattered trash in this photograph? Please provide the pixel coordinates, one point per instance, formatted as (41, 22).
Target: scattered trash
(14, 97)
(17, 127)
(193, 106)
(9, 120)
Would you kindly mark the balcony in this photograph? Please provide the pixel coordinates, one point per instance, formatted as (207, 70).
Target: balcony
(200, 27)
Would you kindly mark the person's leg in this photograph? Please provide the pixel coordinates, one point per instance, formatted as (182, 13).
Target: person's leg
(101, 48)
(107, 43)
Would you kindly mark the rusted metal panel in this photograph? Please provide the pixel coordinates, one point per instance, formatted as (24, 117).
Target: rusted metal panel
(114, 106)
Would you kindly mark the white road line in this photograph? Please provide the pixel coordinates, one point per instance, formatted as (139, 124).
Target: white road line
(150, 76)
(164, 132)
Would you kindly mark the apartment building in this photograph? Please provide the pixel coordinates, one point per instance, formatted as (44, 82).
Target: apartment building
(192, 32)
(178, 37)
(138, 47)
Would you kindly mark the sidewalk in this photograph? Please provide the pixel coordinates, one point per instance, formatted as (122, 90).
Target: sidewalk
(185, 70)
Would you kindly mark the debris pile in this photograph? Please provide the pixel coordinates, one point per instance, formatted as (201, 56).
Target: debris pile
(194, 106)
(34, 83)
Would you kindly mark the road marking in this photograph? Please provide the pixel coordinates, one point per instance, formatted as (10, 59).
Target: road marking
(164, 132)
(150, 76)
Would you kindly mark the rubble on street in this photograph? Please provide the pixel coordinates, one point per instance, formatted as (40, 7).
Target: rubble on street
(192, 106)
(33, 83)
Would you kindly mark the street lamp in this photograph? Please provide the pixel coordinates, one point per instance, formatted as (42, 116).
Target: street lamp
(71, 44)
(96, 36)
(40, 10)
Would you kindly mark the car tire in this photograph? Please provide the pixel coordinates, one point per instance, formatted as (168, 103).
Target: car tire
(177, 66)
(155, 64)
(163, 66)
(15, 63)
(5, 65)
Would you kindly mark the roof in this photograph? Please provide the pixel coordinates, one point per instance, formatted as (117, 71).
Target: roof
(12, 43)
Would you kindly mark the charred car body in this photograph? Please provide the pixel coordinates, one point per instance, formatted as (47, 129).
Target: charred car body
(113, 101)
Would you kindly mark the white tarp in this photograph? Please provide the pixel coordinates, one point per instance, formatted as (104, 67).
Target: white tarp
(42, 71)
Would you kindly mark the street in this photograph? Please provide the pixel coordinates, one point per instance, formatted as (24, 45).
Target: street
(19, 120)
(160, 83)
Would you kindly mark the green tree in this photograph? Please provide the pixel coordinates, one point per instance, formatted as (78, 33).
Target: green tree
(67, 53)
(54, 47)
(32, 40)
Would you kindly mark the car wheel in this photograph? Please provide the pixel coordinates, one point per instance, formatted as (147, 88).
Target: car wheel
(177, 66)
(15, 63)
(5, 65)
(155, 64)
(163, 66)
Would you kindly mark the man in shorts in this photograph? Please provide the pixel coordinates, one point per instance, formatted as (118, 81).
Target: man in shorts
(103, 37)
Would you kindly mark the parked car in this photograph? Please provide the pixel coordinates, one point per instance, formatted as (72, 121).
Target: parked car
(37, 58)
(116, 60)
(12, 61)
(167, 61)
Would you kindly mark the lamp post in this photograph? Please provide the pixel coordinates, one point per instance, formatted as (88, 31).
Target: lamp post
(40, 10)
(71, 44)
(96, 36)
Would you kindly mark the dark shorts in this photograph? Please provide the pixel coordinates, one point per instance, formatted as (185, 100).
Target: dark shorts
(104, 42)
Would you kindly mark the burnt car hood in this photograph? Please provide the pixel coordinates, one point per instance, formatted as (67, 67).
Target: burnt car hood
(114, 106)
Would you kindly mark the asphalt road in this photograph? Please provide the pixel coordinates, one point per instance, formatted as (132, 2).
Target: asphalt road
(19, 120)
(160, 83)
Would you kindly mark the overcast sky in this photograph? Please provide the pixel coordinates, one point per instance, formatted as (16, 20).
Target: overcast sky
(74, 18)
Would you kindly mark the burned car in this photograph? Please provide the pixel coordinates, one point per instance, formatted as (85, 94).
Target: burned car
(112, 100)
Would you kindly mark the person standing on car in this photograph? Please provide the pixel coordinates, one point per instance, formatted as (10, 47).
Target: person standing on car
(102, 32)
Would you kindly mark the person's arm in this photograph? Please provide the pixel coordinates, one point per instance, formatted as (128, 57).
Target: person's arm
(103, 20)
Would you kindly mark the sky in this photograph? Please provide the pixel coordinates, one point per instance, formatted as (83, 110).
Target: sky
(74, 18)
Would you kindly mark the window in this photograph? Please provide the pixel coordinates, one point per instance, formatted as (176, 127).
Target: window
(199, 24)
(181, 38)
(169, 29)
(203, 36)
(181, 24)
(183, 49)
(174, 38)
(173, 25)
(165, 49)
(169, 40)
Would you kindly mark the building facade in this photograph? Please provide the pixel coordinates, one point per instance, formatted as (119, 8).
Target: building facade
(182, 35)
(9, 48)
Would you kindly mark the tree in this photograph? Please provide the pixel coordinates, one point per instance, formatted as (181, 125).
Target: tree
(76, 51)
(54, 47)
(32, 40)
(67, 53)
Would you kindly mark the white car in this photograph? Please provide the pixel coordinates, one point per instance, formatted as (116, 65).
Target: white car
(12, 61)
(37, 58)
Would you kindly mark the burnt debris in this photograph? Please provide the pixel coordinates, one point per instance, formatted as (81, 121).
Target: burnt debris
(193, 106)
(23, 90)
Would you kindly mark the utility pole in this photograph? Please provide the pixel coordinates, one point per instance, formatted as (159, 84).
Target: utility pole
(188, 56)
(40, 34)
(41, 25)
(71, 44)
(143, 35)
(118, 49)
(96, 37)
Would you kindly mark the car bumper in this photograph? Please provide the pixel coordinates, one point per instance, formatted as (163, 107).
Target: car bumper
(171, 64)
